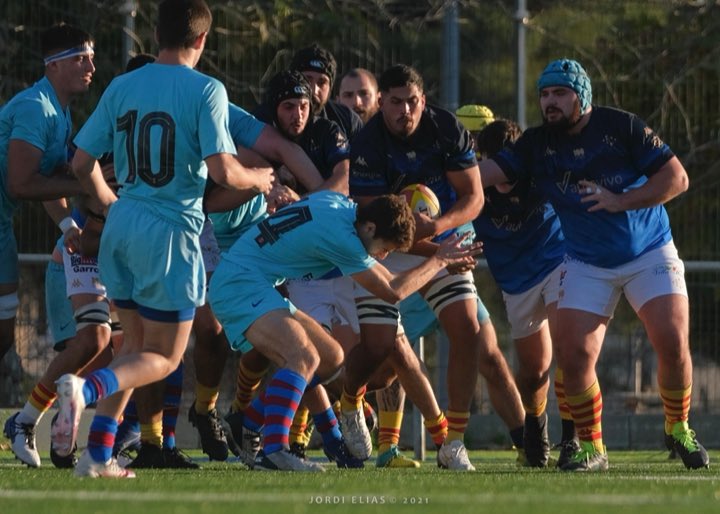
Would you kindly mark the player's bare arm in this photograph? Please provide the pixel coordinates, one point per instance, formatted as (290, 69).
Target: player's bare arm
(24, 180)
(220, 199)
(664, 185)
(90, 176)
(272, 145)
(229, 173)
(339, 180)
(468, 186)
(491, 174)
(393, 288)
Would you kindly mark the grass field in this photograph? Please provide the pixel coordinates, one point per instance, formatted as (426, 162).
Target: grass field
(638, 483)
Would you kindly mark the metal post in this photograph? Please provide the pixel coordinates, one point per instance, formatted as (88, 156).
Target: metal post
(450, 88)
(129, 9)
(521, 19)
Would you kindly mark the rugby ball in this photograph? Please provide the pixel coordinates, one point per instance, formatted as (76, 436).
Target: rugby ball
(421, 199)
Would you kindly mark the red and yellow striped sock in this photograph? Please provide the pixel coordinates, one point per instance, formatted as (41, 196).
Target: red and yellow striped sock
(298, 428)
(205, 398)
(350, 402)
(389, 429)
(676, 406)
(151, 433)
(438, 428)
(247, 383)
(586, 409)
(457, 423)
(560, 393)
(38, 403)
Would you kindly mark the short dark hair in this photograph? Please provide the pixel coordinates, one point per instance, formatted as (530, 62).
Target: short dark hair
(62, 37)
(393, 219)
(400, 75)
(496, 136)
(181, 22)
(361, 72)
(138, 61)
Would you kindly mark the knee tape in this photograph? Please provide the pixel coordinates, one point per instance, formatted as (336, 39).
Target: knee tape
(450, 289)
(96, 313)
(377, 312)
(8, 305)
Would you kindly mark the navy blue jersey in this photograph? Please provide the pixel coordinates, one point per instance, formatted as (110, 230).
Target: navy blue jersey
(381, 163)
(521, 236)
(322, 140)
(616, 150)
(349, 121)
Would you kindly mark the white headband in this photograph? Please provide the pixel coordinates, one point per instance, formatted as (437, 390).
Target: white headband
(84, 49)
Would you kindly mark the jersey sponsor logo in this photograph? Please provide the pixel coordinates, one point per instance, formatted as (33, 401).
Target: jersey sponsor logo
(579, 153)
(360, 161)
(562, 186)
(411, 156)
(77, 283)
(255, 304)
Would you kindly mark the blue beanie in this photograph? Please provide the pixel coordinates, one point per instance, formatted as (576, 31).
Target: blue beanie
(571, 74)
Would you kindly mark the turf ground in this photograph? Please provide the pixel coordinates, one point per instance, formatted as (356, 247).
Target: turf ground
(638, 483)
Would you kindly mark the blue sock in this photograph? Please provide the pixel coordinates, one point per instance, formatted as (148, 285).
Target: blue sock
(102, 438)
(99, 384)
(282, 397)
(173, 393)
(327, 424)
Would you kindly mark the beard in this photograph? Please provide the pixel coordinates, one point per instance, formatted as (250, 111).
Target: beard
(564, 123)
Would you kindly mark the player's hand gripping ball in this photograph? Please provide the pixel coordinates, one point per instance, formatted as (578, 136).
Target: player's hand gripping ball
(421, 199)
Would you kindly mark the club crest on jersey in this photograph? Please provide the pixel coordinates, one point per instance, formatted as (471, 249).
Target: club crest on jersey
(609, 140)
(411, 156)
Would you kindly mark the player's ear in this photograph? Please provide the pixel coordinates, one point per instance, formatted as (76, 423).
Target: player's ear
(200, 41)
(367, 229)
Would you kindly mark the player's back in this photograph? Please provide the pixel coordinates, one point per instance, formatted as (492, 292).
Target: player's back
(304, 240)
(169, 118)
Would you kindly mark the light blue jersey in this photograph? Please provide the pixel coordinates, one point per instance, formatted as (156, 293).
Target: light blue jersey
(229, 226)
(160, 121)
(245, 128)
(36, 117)
(304, 240)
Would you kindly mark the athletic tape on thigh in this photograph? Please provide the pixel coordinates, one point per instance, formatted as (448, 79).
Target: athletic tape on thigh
(375, 311)
(450, 289)
(96, 313)
(8, 305)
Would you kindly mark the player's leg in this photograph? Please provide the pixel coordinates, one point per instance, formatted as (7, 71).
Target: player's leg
(453, 299)
(376, 344)
(534, 353)
(282, 338)
(210, 355)
(661, 301)
(8, 288)
(530, 331)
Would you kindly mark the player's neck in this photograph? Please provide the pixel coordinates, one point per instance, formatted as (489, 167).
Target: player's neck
(183, 57)
(64, 97)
